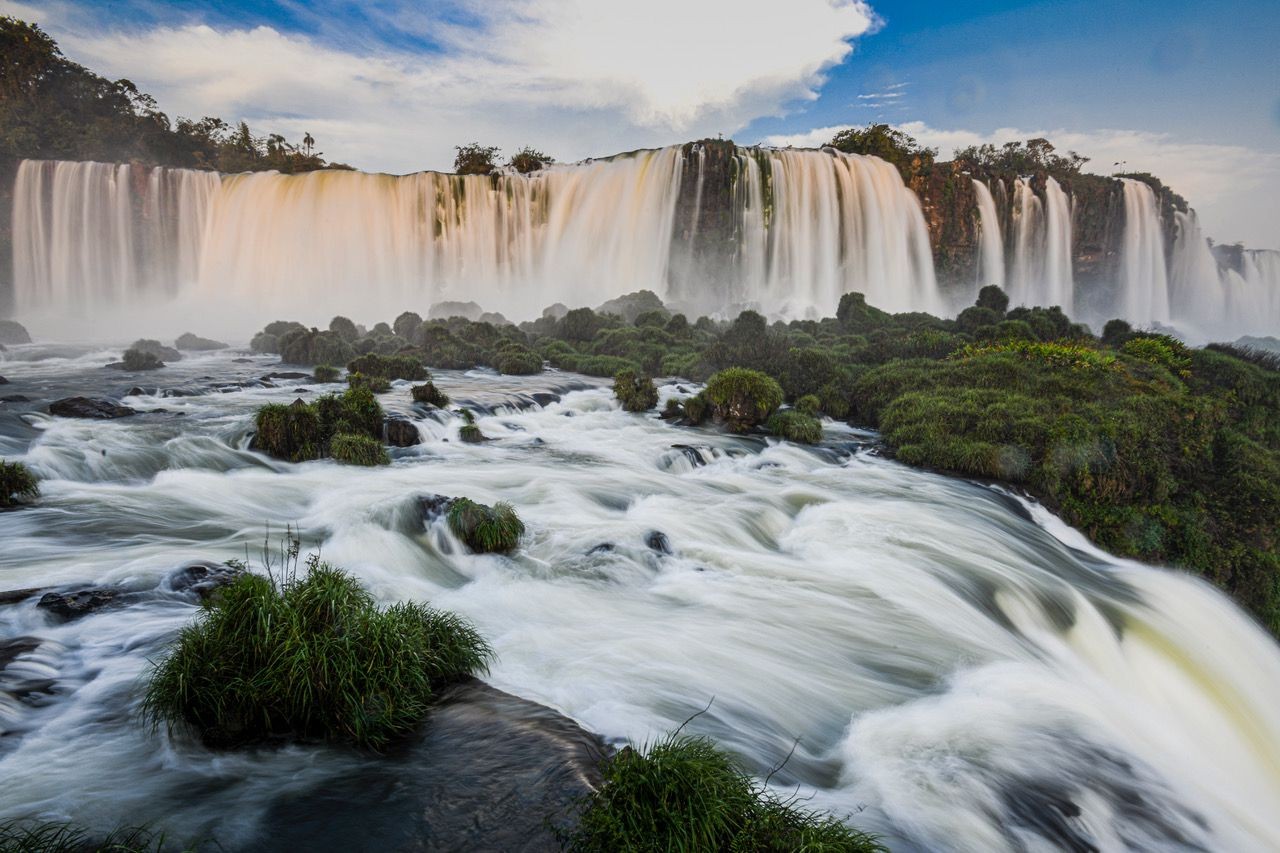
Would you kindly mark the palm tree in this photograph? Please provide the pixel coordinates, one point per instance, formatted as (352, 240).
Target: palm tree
(308, 141)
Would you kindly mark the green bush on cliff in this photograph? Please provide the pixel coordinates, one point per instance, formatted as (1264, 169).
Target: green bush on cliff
(485, 529)
(309, 657)
(683, 793)
(635, 392)
(17, 483)
(743, 398)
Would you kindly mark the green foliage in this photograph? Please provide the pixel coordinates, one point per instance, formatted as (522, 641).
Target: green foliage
(17, 483)
(682, 793)
(430, 395)
(344, 328)
(1034, 155)
(55, 837)
(697, 408)
(1116, 332)
(302, 431)
(485, 529)
(518, 360)
(326, 373)
(354, 449)
(794, 425)
(580, 324)
(406, 325)
(1169, 353)
(309, 657)
(268, 340)
(743, 398)
(809, 405)
(856, 315)
(528, 160)
(311, 346)
(139, 360)
(390, 367)
(475, 159)
(1062, 354)
(993, 298)
(637, 393)
(603, 365)
(888, 144)
(374, 384)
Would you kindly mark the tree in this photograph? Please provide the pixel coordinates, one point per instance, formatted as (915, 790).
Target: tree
(528, 160)
(887, 143)
(475, 159)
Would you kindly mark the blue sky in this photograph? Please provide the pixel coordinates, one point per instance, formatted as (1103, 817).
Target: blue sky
(1190, 91)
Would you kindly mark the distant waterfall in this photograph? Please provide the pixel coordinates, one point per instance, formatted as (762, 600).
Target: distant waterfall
(1144, 284)
(811, 226)
(1042, 247)
(1196, 283)
(991, 257)
(1216, 302)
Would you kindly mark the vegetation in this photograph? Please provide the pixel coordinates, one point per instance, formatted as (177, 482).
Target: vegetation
(888, 144)
(56, 837)
(390, 367)
(636, 393)
(309, 346)
(373, 384)
(475, 159)
(743, 398)
(794, 425)
(309, 657)
(528, 160)
(517, 360)
(430, 395)
(683, 793)
(326, 373)
(469, 432)
(485, 529)
(303, 431)
(355, 449)
(1034, 155)
(17, 484)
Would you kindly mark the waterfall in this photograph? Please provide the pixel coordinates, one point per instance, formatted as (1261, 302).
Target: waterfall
(1213, 302)
(811, 226)
(1059, 287)
(1144, 286)
(991, 245)
(1042, 247)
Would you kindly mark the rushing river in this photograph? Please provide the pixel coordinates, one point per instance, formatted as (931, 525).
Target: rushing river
(961, 670)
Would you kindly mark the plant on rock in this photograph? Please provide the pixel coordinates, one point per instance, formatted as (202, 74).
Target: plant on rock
(390, 367)
(136, 359)
(326, 373)
(635, 392)
(17, 483)
(310, 657)
(354, 449)
(375, 384)
(743, 398)
(303, 431)
(794, 425)
(485, 529)
(469, 432)
(430, 395)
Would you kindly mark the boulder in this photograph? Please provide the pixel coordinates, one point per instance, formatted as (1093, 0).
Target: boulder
(434, 506)
(13, 332)
(401, 432)
(196, 343)
(201, 579)
(73, 605)
(658, 541)
(84, 407)
(15, 398)
(154, 347)
(3, 381)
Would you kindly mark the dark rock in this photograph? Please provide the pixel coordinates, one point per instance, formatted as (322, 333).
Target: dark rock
(73, 605)
(176, 392)
(196, 343)
(658, 541)
(434, 506)
(544, 398)
(83, 407)
(242, 361)
(14, 596)
(401, 432)
(693, 454)
(489, 771)
(13, 332)
(135, 391)
(602, 548)
(3, 381)
(15, 398)
(292, 374)
(201, 578)
(154, 347)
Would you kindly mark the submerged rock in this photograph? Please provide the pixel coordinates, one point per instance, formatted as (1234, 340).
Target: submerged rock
(196, 343)
(490, 771)
(658, 541)
(201, 578)
(3, 381)
(401, 432)
(73, 605)
(84, 407)
(15, 398)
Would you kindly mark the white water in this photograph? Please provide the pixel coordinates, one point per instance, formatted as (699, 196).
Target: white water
(1144, 284)
(1042, 247)
(1215, 303)
(991, 243)
(958, 675)
(374, 245)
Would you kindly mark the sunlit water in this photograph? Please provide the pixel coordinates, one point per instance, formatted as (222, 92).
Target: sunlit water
(960, 670)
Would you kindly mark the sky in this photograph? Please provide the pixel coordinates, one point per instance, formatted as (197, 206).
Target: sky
(1189, 91)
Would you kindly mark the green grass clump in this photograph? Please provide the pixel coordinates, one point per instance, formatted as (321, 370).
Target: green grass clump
(469, 432)
(17, 483)
(355, 449)
(376, 384)
(1071, 355)
(517, 361)
(430, 395)
(697, 408)
(602, 365)
(809, 405)
(1170, 353)
(301, 431)
(309, 657)
(326, 373)
(684, 794)
(485, 529)
(390, 367)
(135, 359)
(57, 837)
(794, 425)
(743, 398)
(636, 392)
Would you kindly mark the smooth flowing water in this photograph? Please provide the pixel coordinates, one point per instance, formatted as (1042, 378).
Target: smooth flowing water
(961, 671)
(991, 257)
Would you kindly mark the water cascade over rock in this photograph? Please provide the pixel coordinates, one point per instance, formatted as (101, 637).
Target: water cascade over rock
(1145, 285)
(991, 262)
(1042, 247)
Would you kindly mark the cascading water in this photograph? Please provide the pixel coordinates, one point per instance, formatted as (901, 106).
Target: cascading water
(1216, 302)
(991, 243)
(1042, 247)
(1144, 284)
(813, 225)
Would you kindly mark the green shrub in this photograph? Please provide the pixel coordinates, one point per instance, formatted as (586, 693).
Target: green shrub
(795, 426)
(309, 657)
(684, 794)
(1169, 353)
(135, 359)
(697, 408)
(390, 367)
(603, 365)
(993, 298)
(311, 346)
(518, 361)
(326, 373)
(17, 483)
(743, 398)
(406, 325)
(430, 395)
(302, 431)
(636, 393)
(354, 449)
(1116, 332)
(485, 529)
(344, 328)
(268, 340)
(374, 384)
(809, 405)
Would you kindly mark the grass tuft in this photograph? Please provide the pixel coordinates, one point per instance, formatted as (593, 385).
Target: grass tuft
(794, 425)
(485, 529)
(17, 483)
(356, 449)
(634, 391)
(430, 395)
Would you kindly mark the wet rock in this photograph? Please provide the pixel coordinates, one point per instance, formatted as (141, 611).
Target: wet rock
(154, 347)
(201, 579)
(658, 541)
(3, 381)
(602, 548)
(434, 506)
(489, 771)
(73, 605)
(401, 432)
(292, 374)
(545, 398)
(196, 343)
(176, 392)
(242, 361)
(15, 398)
(692, 453)
(14, 596)
(84, 407)
(135, 391)
(13, 332)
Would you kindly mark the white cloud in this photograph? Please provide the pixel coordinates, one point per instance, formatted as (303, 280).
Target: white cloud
(573, 77)
(1235, 189)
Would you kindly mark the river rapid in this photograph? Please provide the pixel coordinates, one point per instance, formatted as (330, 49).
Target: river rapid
(956, 668)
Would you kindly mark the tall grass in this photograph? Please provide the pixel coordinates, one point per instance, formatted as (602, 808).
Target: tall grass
(309, 657)
(55, 837)
(485, 529)
(17, 483)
